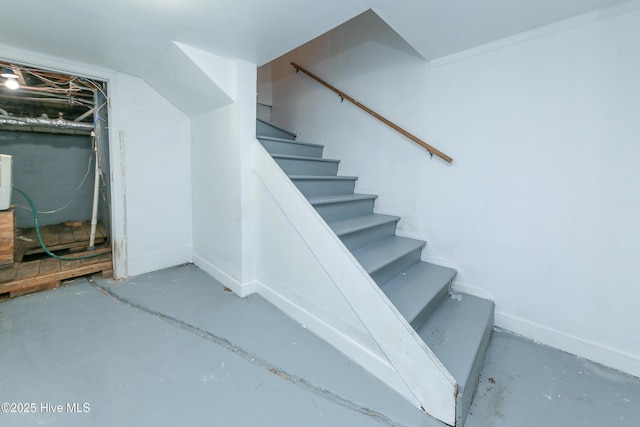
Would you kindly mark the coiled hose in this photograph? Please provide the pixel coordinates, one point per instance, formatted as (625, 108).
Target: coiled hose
(37, 227)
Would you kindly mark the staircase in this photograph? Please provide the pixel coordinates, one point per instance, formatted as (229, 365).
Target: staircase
(455, 326)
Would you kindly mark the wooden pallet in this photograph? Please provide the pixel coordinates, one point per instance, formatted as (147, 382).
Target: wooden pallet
(58, 237)
(32, 276)
(7, 237)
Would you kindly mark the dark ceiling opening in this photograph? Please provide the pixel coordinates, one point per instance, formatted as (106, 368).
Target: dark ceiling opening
(28, 92)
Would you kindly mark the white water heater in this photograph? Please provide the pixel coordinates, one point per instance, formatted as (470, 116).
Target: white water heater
(5, 181)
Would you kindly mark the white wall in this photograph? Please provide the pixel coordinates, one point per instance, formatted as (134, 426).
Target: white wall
(264, 85)
(64, 179)
(150, 167)
(154, 144)
(264, 93)
(538, 210)
(193, 80)
(216, 191)
(221, 162)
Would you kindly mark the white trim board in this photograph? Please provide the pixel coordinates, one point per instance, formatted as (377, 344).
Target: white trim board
(458, 286)
(592, 351)
(331, 335)
(589, 350)
(241, 289)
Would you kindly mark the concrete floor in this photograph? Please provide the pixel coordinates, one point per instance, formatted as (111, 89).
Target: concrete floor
(173, 348)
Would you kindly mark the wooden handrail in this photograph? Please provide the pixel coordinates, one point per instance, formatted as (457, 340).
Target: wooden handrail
(389, 123)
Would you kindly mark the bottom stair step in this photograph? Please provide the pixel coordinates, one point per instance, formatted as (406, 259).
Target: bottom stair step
(458, 333)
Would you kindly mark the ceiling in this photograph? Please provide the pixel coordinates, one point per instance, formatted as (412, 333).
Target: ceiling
(437, 28)
(129, 35)
(132, 36)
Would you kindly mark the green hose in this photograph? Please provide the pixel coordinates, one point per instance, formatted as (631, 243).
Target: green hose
(37, 227)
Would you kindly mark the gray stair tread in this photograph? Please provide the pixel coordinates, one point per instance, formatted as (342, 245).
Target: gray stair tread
(379, 254)
(293, 134)
(311, 159)
(288, 141)
(350, 225)
(339, 198)
(323, 177)
(411, 291)
(455, 332)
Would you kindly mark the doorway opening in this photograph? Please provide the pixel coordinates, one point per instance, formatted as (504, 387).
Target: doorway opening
(54, 149)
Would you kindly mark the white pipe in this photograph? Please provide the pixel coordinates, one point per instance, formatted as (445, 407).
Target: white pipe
(83, 115)
(96, 189)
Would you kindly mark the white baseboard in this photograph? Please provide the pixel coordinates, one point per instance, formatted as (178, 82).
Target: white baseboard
(595, 352)
(444, 262)
(240, 289)
(458, 286)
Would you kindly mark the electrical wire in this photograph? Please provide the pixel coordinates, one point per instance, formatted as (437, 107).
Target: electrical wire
(97, 115)
(75, 194)
(37, 227)
(62, 88)
(41, 76)
(62, 84)
(94, 86)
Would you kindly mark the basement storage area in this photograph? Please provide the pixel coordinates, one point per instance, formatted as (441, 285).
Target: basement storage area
(54, 169)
